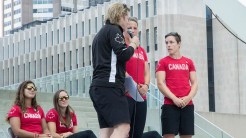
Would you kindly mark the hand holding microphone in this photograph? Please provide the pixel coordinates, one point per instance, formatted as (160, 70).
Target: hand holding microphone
(134, 41)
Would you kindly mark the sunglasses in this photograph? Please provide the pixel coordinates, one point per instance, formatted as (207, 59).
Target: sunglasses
(31, 88)
(63, 97)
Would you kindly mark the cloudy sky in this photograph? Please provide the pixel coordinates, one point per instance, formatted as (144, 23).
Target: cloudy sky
(243, 2)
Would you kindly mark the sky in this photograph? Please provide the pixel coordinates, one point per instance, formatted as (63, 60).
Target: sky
(243, 2)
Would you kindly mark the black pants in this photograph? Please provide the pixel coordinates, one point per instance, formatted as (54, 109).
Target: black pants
(83, 134)
(138, 111)
(151, 134)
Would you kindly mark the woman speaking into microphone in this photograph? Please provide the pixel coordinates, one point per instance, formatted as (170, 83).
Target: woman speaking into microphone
(141, 75)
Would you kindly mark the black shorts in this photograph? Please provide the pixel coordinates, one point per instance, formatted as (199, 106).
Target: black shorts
(176, 120)
(111, 106)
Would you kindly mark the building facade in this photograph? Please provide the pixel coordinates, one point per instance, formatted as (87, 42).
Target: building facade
(46, 9)
(63, 46)
(16, 13)
(68, 6)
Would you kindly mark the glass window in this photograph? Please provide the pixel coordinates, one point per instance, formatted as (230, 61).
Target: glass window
(64, 34)
(40, 41)
(89, 27)
(70, 60)
(77, 54)
(147, 8)
(96, 24)
(35, 43)
(52, 62)
(58, 36)
(29, 45)
(52, 37)
(147, 39)
(50, 10)
(29, 70)
(139, 35)
(155, 7)
(58, 60)
(64, 61)
(46, 66)
(155, 38)
(83, 28)
(24, 45)
(13, 75)
(70, 32)
(90, 53)
(139, 11)
(35, 10)
(131, 10)
(76, 29)
(102, 20)
(46, 40)
(35, 70)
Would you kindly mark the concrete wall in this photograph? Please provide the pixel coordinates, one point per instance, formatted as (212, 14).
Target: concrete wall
(229, 71)
(233, 124)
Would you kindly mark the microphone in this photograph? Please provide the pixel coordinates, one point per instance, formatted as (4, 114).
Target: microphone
(129, 31)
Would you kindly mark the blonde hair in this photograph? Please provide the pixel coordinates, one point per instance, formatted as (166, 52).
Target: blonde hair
(116, 11)
(134, 19)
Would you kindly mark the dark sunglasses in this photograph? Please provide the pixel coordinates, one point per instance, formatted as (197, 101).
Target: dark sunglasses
(31, 88)
(63, 97)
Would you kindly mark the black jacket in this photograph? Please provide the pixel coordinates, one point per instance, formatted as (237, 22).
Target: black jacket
(109, 53)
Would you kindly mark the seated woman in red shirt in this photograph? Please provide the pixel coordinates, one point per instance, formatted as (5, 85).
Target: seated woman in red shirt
(26, 117)
(62, 121)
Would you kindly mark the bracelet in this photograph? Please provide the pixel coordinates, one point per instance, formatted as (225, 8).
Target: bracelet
(147, 85)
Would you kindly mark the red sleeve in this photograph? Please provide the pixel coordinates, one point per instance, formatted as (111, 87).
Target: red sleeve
(41, 112)
(192, 66)
(75, 123)
(15, 111)
(51, 116)
(145, 55)
(160, 66)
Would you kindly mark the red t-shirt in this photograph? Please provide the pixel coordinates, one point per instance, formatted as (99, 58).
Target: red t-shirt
(135, 67)
(177, 75)
(30, 120)
(52, 116)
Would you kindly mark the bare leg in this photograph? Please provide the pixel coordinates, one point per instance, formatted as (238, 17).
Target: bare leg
(185, 136)
(168, 136)
(121, 131)
(105, 132)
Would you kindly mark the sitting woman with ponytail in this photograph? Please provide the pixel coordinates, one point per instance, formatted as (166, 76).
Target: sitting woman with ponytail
(62, 121)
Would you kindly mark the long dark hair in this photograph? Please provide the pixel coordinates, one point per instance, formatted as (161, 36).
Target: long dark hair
(20, 97)
(68, 111)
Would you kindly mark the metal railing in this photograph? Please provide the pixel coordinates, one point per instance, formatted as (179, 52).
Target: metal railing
(76, 82)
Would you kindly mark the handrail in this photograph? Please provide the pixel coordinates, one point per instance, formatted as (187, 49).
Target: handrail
(3, 133)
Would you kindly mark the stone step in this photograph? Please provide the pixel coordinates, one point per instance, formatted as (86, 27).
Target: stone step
(93, 125)
(74, 103)
(86, 114)
(10, 95)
